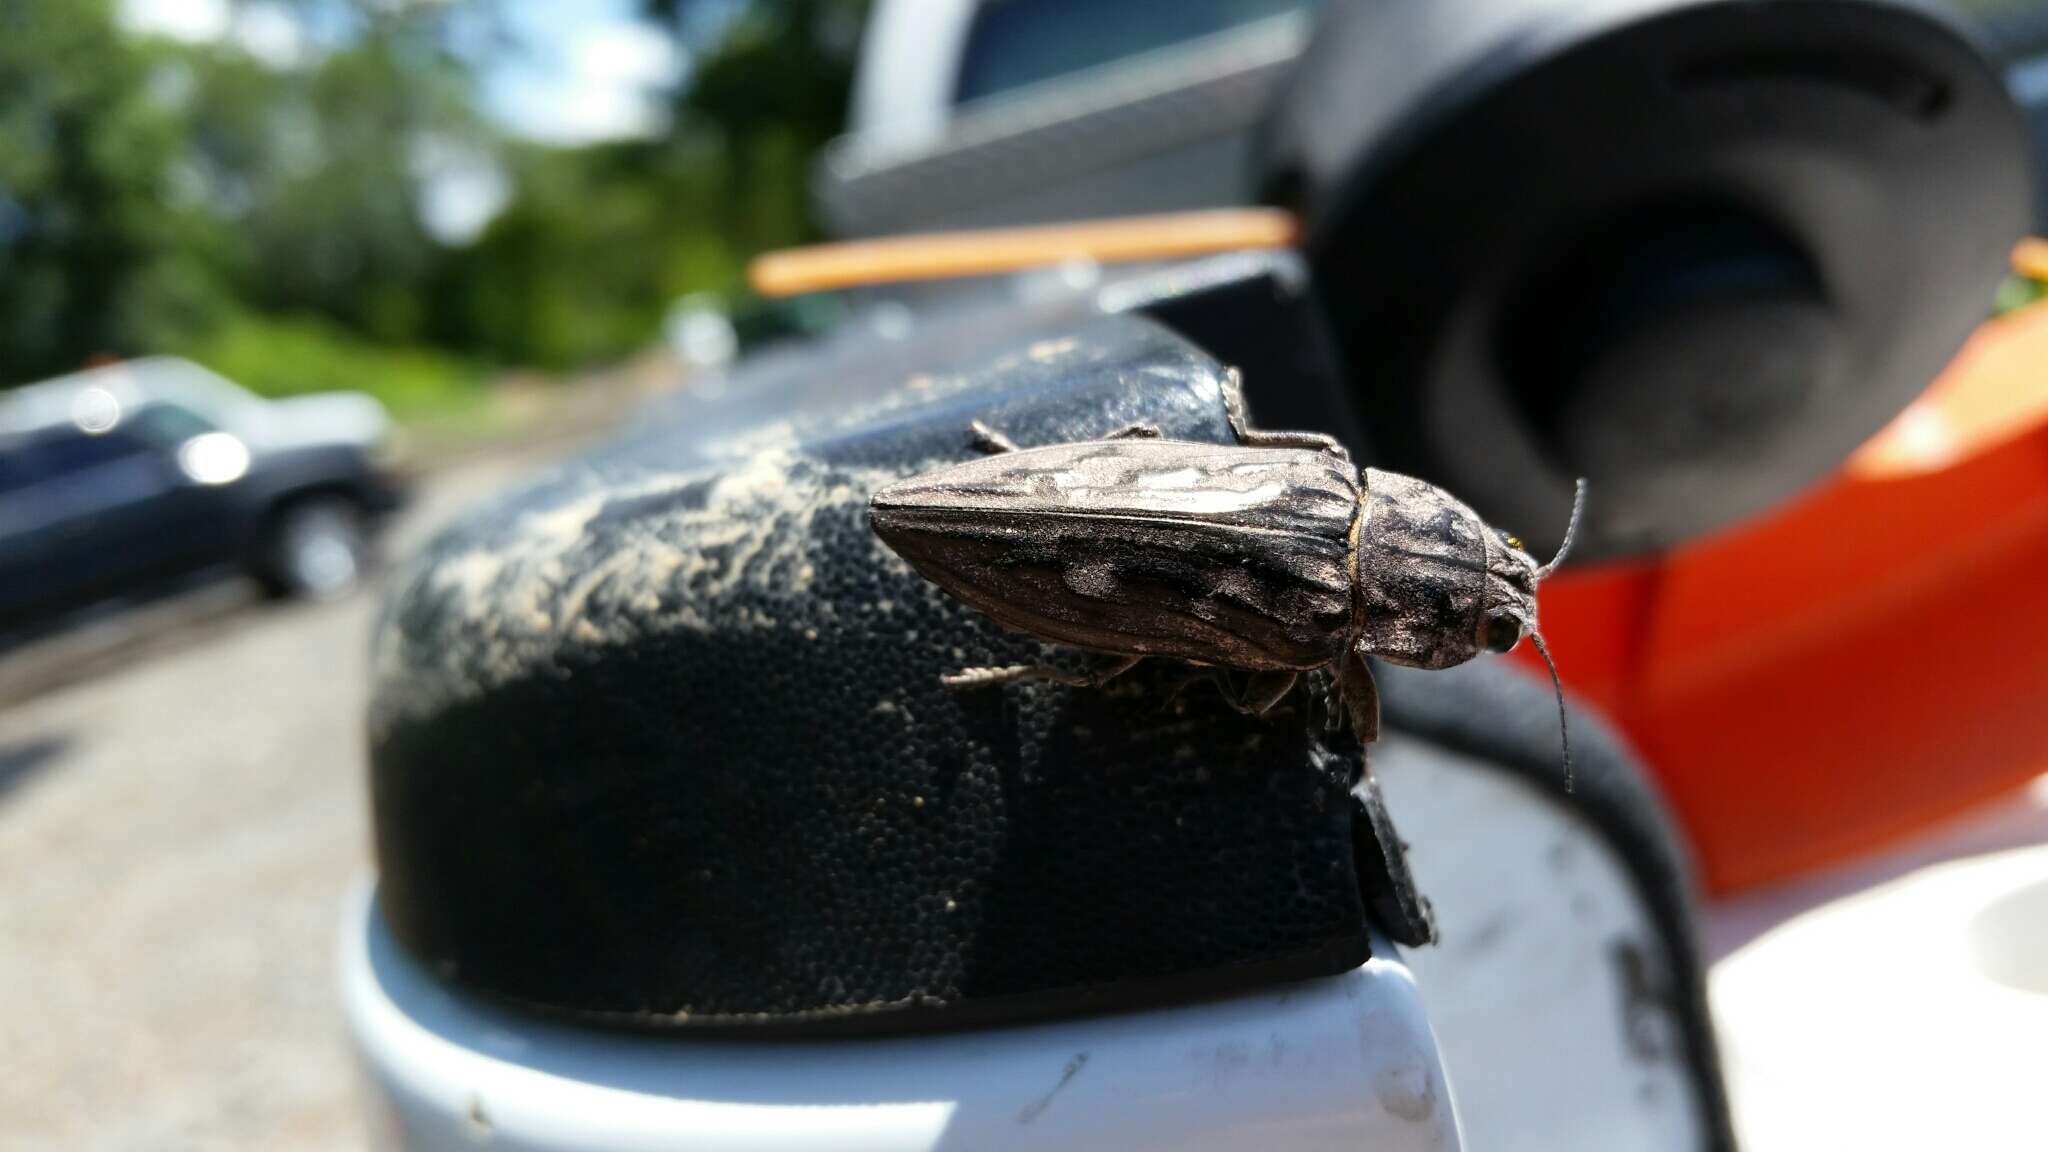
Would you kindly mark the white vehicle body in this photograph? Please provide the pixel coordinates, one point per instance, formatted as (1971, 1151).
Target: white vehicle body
(909, 59)
(264, 425)
(1346, 1063)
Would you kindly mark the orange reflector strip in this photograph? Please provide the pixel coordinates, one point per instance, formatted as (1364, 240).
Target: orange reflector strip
(948, 255)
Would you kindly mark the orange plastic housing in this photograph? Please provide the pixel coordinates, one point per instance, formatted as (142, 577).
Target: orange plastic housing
(1863, 662)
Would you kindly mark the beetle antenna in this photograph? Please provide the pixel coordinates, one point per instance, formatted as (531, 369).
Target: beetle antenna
(1564, 732)
(1571, 530)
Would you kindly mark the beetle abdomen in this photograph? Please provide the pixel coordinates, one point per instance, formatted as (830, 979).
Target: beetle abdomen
(1222, 555)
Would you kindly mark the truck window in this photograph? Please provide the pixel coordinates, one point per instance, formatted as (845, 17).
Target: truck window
(1014, 43)
(168, 424)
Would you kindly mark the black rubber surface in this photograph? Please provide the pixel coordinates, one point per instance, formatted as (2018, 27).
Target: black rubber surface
(661, 738)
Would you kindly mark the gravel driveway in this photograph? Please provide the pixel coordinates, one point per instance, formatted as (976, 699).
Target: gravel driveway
(175, 841)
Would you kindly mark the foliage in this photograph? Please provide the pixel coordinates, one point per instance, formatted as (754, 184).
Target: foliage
(89, 252)
(583, 262)
(599, 241)
(293, 355)
(314, 170)
(2016, 292)
(772, 90)
(265, 215)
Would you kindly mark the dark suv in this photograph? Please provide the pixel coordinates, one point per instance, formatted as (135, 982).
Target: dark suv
(124, 476)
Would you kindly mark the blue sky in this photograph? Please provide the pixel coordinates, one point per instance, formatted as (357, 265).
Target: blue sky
(581, 71)
(586, 72)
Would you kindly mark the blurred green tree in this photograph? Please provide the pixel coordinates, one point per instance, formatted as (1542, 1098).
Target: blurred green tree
(318, 169)
(198, 197)
(95, 255)
(150, 190)
(770, 87)
(598, 241)
(574, 270)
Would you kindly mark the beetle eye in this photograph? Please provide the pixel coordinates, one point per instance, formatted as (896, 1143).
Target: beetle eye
(1502, 633)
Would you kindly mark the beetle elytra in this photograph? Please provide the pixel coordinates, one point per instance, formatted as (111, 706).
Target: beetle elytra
(1274, 556)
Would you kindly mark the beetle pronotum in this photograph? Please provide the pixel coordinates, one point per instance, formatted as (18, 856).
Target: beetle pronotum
(1275, 556)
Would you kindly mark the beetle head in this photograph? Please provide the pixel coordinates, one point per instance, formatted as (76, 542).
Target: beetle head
(1507, 603)
(1438, 585)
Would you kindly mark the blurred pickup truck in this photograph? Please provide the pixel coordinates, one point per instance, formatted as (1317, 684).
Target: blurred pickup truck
(129, 475)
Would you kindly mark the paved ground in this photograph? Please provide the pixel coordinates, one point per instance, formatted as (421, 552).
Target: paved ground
(176, 837)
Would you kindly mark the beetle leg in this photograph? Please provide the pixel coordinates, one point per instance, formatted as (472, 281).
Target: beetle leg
(1201, 674)
(1329, 689)
(1265, 690)
(1260, 693)
(989, 440)
(1240, 427)
(1315, 441)
(993, 442)
(1361, 698)
(1256, 698)
(984, 677)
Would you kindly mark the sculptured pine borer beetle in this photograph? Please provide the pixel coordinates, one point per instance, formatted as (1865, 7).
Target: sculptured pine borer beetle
(1275, 556)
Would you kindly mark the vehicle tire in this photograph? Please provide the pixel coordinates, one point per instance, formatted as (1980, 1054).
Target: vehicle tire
(314, 549)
